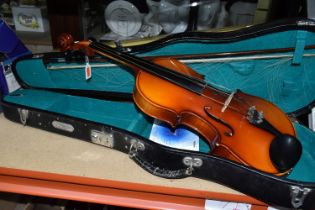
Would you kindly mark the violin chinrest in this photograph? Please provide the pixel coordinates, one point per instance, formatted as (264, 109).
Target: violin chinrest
(285, 151)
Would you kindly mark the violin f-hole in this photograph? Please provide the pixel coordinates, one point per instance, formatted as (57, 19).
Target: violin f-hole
(230, 131)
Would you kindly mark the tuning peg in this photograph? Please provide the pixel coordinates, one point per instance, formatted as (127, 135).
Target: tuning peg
(65, 41)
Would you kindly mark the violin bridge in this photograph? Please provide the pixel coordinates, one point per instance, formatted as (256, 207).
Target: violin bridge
(228, 101)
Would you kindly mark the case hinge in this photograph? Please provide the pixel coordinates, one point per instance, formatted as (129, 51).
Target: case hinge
(191, 163)
(135, 146)
(23, 115)
(298, 195)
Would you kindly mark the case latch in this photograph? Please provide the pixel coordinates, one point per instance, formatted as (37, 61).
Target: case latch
(102, 138)
(298, 195)
(135, 146)
(191, 163)
(23, 115)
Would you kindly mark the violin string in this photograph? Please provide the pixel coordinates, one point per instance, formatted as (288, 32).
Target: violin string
(127, 59)
(271, 64)
(145, 63)
(132, 58)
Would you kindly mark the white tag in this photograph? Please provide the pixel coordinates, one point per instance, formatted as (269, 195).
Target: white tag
(180, 138)
(10, 79)
(311, 119)
(88, 69)
(271, 208)
(218, 205)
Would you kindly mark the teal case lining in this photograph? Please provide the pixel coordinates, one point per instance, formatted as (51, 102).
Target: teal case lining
(287, 85)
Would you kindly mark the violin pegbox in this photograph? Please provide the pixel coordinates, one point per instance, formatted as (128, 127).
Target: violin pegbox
(67, 43)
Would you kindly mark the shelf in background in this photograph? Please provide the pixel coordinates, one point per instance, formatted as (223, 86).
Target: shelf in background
(36, 42)
(34, 38)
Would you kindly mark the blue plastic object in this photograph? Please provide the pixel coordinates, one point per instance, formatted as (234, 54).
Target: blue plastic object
(12, 48)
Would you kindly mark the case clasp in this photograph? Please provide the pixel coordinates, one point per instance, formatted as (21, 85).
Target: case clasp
(298, 195)
(191, 163)
(23, 115)
(102, 138)
(135, 146)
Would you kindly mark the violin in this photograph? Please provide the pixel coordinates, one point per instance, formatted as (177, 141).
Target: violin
(239, 127)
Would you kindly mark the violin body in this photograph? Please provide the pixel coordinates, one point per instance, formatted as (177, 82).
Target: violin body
(176, 106)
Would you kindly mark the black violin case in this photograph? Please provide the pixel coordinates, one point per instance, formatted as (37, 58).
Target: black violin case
(274, 61)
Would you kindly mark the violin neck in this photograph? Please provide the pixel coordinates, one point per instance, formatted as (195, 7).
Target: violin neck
(125, 59)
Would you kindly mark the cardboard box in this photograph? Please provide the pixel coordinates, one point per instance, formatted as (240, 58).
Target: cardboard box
(28, 18)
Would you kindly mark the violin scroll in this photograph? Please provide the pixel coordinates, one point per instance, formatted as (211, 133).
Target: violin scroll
(67, 43)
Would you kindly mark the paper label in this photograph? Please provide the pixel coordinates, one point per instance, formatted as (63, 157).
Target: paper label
(88, 73)
(271, 208)
(180, 138)
(88, 70)
(219, 205)
(311, 119)
(10, 79)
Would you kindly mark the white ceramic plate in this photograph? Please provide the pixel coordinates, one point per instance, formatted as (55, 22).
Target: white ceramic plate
(123, 18)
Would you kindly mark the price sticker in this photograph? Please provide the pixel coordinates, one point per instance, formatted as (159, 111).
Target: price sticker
(12, 84)
(88, 69)
(221, 205)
